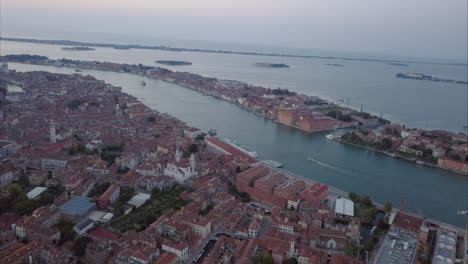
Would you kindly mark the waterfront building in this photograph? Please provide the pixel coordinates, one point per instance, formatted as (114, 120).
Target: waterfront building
(445, 246)
(366, 122)
(344, 208)
(455, 165)
(225, 148)
(312, 124)
(398, 246)
(403, 241)
(192, 132)
(287, 116)
(269, 182)
(314, 193)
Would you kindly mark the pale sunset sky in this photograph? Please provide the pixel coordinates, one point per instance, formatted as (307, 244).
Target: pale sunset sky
(421, 28)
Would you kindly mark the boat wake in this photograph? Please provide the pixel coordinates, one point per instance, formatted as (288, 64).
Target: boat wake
(330, 166)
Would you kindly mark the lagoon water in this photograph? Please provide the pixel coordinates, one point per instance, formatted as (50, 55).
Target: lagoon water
(435, 193)
(373, 85)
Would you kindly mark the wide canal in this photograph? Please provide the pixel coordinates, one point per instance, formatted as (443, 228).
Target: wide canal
(435, 193)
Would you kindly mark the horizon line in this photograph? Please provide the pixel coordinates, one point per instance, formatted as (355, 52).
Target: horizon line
(66, 42)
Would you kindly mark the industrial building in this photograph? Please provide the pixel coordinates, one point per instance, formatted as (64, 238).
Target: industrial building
(399, 246)
(444, 252)
(77, 208)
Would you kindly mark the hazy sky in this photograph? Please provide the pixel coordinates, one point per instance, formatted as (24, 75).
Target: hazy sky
(427, 28)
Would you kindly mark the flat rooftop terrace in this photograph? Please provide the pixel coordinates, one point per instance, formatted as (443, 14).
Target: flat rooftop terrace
(398, 246)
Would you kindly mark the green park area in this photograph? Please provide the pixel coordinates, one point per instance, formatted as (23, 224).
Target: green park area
(160, 202)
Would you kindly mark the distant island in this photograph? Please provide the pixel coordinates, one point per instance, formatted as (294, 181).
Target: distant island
(121, 48)
(24, 58)
(174, 62)
(78, 48)
(137, 46)
(420, 76)
(334, 64)
(397, 64)
(271, 65)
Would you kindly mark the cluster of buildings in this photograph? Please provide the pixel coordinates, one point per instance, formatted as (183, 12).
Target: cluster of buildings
(32, 238)
(411, 239)
(307, 120)
(304, 112)
(445, 149)
(313, 216)
(75, 133)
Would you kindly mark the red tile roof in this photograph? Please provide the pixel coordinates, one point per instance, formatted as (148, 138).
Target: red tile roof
(102, 233)
(165, 257)
(109, 192)
(407, 222)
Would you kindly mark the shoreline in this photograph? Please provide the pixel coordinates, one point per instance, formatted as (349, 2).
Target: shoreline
(218, 51)
(211, 95)
(333, 189)
(423, 77)
(231, 101)
(339, 192)
(400, 157)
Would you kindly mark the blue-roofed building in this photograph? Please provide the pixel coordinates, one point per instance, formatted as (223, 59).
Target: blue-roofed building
(77, 208)
(82, 227)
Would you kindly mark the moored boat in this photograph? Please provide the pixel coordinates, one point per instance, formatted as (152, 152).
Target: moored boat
(244, 149)
(273, 163)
